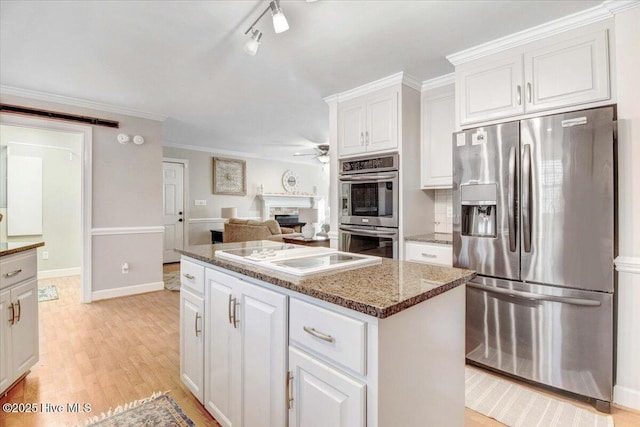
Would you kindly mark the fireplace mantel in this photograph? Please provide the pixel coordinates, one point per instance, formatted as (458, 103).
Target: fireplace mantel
(286, 201)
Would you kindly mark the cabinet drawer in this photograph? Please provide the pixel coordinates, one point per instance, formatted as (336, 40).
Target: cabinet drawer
(337, 337)
(17, 267)
(192, 276)
(430, 253)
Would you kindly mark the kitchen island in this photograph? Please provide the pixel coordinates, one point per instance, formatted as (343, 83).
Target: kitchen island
(381, 345)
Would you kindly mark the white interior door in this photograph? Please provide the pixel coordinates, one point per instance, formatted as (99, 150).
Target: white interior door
(173, 209)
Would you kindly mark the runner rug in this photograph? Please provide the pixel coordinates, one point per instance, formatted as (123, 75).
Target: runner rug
(518, 406)
(171, 280)
(159, 410)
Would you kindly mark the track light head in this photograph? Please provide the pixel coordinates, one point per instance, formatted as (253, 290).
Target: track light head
(252, 45)
(280, 24)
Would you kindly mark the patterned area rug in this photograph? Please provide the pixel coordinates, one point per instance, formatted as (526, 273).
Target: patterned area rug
(47, 293)
(517, 406)
(159, 410)
(171, 280)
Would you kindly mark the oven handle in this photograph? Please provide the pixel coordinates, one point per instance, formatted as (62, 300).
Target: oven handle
(354, 230)
(369, 177)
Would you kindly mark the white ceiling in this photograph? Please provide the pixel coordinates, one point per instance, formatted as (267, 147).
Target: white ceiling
(184, 59)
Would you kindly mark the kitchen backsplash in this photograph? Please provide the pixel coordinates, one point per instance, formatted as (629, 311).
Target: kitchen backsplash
(443, 210)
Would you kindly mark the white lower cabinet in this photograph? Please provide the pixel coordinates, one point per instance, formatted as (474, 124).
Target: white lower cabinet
(429, 253)
(323, 396)
(19, 337)
(245, 352)
(192, 342)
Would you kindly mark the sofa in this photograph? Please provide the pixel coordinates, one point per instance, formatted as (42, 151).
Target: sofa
(243, 230)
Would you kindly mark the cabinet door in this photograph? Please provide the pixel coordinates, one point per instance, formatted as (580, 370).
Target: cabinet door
(323, 396)
(192, 342)
(438, 125)
(222, 351)
(5, 340)
(24, 332)
(381, 132)
(490, 90)
(264, 359)
(572, 72)
(351, 127)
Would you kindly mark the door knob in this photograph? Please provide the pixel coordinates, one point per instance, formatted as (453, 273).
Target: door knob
(180, 220)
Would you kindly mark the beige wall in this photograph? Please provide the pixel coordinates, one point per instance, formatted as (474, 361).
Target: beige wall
(60, 195)
(627, 389)
(267, 173)
(127, 183)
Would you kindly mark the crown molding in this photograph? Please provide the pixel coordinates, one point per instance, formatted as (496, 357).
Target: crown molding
(617, 6)
(383, 83)
(77, 102)
(436, 82)
(579, 19)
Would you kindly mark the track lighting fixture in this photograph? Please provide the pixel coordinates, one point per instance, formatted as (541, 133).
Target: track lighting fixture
(280, 25)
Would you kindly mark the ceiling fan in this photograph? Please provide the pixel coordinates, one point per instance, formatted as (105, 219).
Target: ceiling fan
(322, 153)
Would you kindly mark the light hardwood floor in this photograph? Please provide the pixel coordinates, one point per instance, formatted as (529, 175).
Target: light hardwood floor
(111, 352)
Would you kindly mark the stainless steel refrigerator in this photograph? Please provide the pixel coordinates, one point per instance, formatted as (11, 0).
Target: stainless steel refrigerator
(534, 215)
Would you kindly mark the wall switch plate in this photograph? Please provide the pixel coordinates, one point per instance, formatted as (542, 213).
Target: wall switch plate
(200, 202)
(45, 254)
(449, 211)
(125, 267)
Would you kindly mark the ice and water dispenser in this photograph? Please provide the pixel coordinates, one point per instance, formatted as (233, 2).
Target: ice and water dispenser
(478, 210)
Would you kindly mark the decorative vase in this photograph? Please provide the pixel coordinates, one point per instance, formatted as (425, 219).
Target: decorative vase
(308, 231)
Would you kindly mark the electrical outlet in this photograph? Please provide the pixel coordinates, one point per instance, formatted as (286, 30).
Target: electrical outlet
(45, 254)
(449, 211)
(200, 202)
(125, 267)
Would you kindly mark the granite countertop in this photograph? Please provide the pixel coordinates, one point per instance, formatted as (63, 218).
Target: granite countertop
(8, 248)
(379, 290)
(441, 238)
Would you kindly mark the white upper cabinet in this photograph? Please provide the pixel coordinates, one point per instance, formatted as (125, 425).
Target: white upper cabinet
(438, 125)
(558, 72)
(490, 89)
(573, 72)
(368, 123)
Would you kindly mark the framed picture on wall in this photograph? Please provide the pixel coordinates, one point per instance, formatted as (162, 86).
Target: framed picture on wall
(229, 177)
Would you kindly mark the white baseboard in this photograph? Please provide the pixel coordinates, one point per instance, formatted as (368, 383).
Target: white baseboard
(627, 397)
(127, 291)
(49, 274)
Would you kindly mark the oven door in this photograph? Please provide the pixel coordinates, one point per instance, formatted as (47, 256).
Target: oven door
(369, 199)
(376, 241)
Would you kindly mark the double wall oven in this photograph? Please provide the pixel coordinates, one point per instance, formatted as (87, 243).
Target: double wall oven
(369, 206)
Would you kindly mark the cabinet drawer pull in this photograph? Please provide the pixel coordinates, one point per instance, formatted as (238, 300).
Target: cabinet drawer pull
(312, 331)
(189, 276)
(196, 324)
(426, 255)
(13, 314)
(19, 311)
(13, 273)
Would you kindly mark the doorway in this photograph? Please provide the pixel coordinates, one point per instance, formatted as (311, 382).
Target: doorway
(82, 153)
(174, 194)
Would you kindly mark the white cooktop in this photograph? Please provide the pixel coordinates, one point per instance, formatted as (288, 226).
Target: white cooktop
(298, 260)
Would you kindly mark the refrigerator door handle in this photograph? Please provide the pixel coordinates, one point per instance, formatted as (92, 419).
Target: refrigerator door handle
(526, 198)
(511, 199)
(536, 297)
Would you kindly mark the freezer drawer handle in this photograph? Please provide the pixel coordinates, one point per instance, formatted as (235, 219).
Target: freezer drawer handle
(536, 297)
(574, 122)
